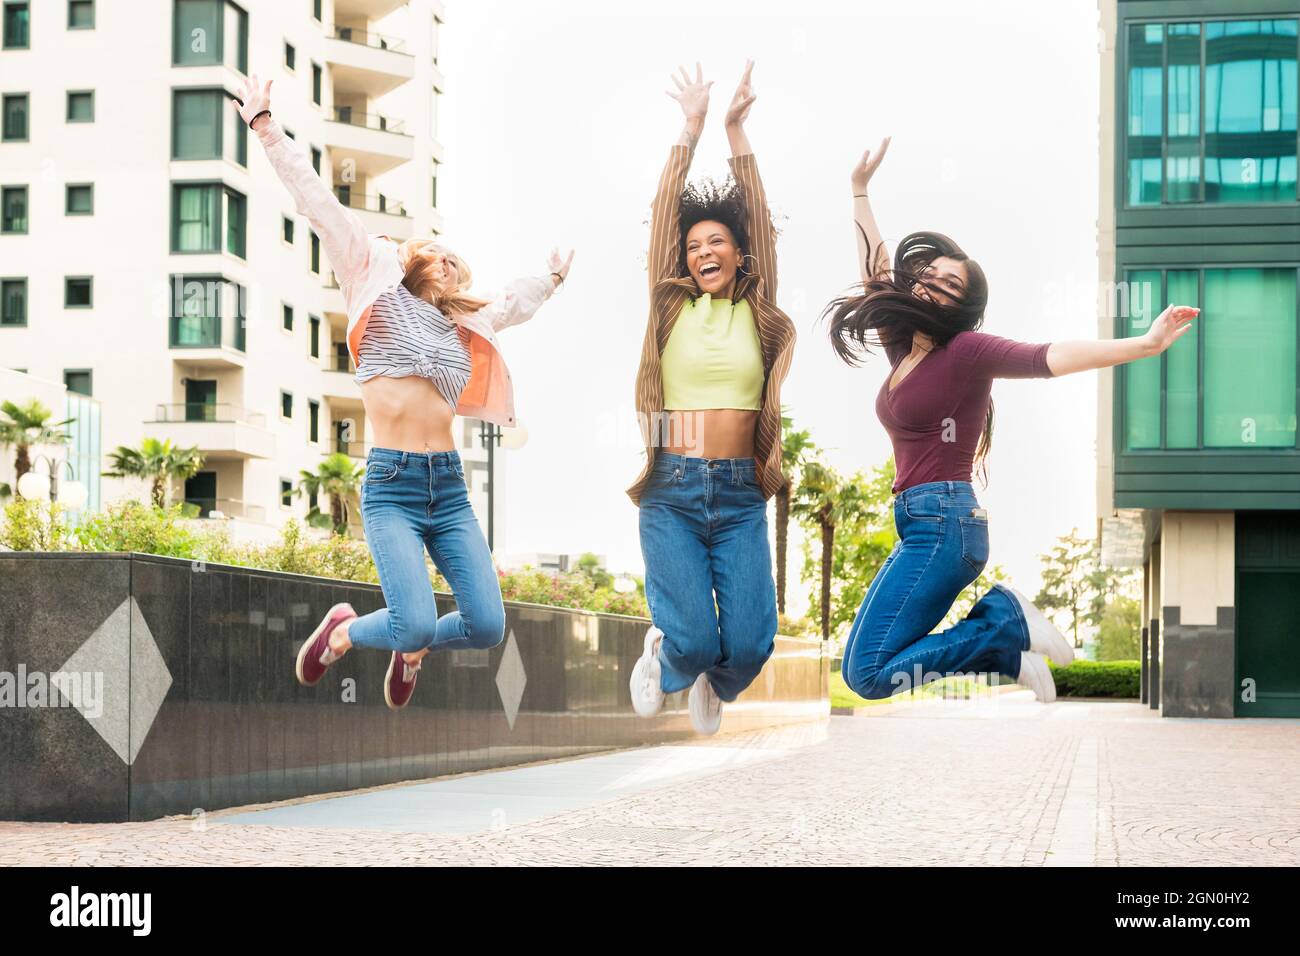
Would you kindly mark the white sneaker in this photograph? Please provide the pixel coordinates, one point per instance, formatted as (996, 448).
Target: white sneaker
(1044, 636)
(1037, 676)
(705, 706)
(647, 695)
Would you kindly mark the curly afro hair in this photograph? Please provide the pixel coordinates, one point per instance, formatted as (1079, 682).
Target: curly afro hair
(709, 201)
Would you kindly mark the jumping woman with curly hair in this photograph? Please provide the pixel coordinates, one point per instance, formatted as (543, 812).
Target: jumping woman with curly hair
(935, 404)
(708, 395)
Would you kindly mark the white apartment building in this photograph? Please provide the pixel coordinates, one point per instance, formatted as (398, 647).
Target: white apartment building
(150, 257)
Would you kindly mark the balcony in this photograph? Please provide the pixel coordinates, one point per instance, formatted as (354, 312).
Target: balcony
(367, 64)
(223, 508)
(220, 431)
(353, 449)
(366, 9)
(374, 143)
(337, 382)
(382, 215)
(207, 341)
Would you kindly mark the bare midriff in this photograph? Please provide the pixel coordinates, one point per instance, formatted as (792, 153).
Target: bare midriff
(407, 414)
(711, 432)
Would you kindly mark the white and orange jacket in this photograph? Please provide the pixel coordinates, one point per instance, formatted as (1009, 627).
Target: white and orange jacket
(367, 266)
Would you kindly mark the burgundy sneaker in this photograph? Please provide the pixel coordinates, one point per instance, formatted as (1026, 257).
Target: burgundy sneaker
(315, 656)
(400, 683)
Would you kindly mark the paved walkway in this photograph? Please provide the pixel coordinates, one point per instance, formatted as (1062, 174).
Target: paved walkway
(1003, 782)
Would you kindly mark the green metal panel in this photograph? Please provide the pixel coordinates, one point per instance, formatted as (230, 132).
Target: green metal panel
(1268, 614)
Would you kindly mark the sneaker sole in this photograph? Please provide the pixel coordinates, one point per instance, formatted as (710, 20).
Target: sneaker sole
(302, 651)
(638, 673)
(698, 716)
(1039, 678)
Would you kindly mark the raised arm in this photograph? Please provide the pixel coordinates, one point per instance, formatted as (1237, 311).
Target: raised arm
(665, 211)
(1066, 357)
(521, 298)
(341, 232)
(873, 257)
(762, 234)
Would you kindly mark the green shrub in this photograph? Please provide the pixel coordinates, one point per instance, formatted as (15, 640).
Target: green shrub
(1120, 679)
(34, 525)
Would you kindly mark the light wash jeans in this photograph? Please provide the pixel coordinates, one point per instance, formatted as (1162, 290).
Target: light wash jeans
(708, 578)
(410, 502)
(943, 546)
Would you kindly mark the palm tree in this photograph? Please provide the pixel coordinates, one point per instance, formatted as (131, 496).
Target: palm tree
(27, 425)
(795, 445)
(337, 476)
(156, 462)
(816, 503)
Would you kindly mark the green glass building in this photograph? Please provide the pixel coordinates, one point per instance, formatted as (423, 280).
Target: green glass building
(1198, 453)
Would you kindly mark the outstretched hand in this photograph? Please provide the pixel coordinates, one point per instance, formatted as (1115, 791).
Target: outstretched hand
(743, 98)
(1169, 326)
(867, 166)
(253, 97)
(560, 265)
(693, 95)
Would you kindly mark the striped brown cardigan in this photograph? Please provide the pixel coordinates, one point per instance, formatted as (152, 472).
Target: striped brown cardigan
(669, 292)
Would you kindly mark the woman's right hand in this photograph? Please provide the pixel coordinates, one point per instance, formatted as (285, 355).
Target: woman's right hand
(867, 166)
(693, 95)
(255, 96)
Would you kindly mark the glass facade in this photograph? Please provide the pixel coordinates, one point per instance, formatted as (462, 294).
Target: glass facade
(1227, 383)
(1211, 112)
(83, 448)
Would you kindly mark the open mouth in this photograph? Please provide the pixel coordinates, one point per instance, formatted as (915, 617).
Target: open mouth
(709, 269)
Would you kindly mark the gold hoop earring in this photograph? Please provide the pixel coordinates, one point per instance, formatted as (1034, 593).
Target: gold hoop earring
(741, 268)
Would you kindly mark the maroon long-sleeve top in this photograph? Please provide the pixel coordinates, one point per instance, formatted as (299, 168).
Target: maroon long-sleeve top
(936, 414)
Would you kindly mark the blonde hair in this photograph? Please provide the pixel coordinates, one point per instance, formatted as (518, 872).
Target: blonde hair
(422, 261)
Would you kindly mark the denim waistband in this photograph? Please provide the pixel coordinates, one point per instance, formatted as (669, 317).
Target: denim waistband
(933, 487)
(682, 464)
(431, 458)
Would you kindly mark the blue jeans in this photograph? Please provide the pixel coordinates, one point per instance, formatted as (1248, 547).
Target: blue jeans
(943, 546)
(411, 501)
(708, 577)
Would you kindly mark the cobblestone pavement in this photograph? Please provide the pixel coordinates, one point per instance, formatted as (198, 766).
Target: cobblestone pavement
(1010, 782)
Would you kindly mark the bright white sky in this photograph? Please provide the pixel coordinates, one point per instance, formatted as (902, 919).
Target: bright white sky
(556, 126)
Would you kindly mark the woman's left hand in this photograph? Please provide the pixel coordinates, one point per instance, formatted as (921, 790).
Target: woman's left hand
(1168, 326)
(742, 100)
(559, 265)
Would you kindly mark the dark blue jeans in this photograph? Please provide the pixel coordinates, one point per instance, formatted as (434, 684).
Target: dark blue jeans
(413, 501)
(943, 546)
(708, 571)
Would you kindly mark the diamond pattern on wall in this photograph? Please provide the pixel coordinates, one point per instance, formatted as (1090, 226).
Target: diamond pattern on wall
(511, 679)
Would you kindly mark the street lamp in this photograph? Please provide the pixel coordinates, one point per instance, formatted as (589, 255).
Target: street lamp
(510, 438)
(71, 494)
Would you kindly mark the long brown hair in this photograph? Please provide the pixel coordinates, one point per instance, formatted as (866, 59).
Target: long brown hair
(422, 261)
(887, 312)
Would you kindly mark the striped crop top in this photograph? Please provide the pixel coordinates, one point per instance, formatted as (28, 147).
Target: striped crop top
(406, 335)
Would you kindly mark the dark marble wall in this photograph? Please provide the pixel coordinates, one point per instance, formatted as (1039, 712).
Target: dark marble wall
(200, 707)
(1197, 669)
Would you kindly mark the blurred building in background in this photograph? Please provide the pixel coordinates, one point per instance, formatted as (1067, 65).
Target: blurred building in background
(1198, 456)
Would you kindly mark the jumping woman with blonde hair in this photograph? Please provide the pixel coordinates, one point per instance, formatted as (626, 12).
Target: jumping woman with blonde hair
(425, 349)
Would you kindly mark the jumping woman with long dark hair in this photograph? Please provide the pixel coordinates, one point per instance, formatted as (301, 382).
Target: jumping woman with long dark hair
(708, 388)
(935, 404)
(425, 350)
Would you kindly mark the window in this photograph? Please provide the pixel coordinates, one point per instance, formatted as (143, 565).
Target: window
(286, 317)
(288, 132)
(207, 311)
(290, 57)
(15, 117)
(207, 32)
(316, 78)
(286, 404)
(316, 9)
(286, 493)
(197, 217)
(17, 26)
(433, 196)
(315, 159)
(79, 199)
(78, 292)
(81, 106)
(1211, 114)
(13, 202)
(313, 339)
(437, 27)
(199, 119)
(13, 301)
(286, 230)
(313, 420)
(77, 380)
(81, 14)
(315, 252)
(1229, 382)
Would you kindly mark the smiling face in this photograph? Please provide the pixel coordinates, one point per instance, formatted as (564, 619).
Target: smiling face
(948, 277)
(712, 256)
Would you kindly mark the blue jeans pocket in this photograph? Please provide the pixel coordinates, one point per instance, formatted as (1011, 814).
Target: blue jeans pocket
(378, 472)
(925, 507)
(974, 542)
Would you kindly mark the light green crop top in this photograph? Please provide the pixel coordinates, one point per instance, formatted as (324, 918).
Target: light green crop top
(713, 358)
